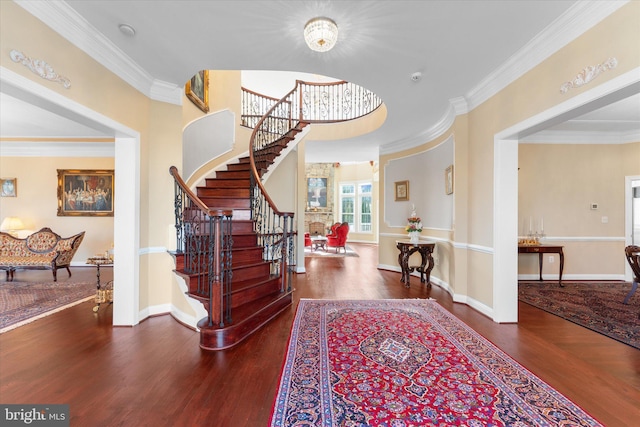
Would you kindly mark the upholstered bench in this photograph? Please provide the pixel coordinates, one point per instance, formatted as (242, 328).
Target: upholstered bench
(43, 249)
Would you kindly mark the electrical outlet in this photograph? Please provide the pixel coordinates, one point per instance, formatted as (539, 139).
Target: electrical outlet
(552, 259)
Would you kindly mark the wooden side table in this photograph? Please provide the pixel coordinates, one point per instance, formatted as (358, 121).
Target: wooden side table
(541, 250)
(425, 249)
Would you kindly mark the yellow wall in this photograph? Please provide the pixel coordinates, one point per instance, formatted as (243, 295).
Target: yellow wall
(36, 203)
(93, 86)
(471, 268)
(559, 182)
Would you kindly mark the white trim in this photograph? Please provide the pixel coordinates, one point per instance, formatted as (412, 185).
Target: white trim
(64, 20)
(628, 221)
(582, 137)
(505, 207)
(567, 27)
(127, 192)
(57, 149)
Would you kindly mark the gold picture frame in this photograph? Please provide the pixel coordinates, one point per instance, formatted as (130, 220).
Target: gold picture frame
(197, 90)
(83, 192)
(9, 187)
(448, 180)
(401, 191)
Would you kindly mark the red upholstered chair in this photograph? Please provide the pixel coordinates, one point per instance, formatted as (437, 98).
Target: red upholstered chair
(338, 238)
(307, 239)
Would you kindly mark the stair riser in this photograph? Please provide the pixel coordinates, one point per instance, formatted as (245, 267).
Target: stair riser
(245, 296)
(219, 339)
(233, 174)
(227, 183)
(239, 167)
(225, 202)
(223, 192)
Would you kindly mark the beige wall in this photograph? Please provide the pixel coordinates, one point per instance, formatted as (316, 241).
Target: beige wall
(36, 203)
(559, 182)
(470, 271)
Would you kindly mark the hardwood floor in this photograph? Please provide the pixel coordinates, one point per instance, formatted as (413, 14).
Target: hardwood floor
(154, 374)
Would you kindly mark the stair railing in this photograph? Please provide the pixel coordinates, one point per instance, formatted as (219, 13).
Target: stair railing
(281, 120)
(204, 239)
(319, 103)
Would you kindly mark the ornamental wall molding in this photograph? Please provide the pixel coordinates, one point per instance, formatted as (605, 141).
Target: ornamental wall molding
(588, 74)
(39, 67)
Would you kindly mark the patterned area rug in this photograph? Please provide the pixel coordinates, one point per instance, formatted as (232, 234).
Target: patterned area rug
(24, 302)
(330, 252)
(406, 363)
(594, 305)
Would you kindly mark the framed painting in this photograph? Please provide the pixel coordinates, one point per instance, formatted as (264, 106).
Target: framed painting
(8, 187)
(197, 90)
(401, 191)
(84, 192)
(317, 192)
(448, 180)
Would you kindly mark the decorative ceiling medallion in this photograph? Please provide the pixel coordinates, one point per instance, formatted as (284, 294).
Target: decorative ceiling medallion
(588, 74)
(40, 68)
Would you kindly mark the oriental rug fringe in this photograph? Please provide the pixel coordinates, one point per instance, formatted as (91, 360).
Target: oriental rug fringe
(406, 363)
(25, 302)
(594, 305)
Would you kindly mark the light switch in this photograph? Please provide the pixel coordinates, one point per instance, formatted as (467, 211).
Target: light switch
(605, 219)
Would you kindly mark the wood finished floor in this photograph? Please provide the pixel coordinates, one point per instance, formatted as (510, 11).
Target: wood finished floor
(154, 374)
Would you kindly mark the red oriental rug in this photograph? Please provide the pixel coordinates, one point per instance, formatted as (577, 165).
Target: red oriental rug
(406, 363)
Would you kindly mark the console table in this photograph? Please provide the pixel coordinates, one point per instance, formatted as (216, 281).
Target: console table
(104, 292)
(541, 250)
(425, 249)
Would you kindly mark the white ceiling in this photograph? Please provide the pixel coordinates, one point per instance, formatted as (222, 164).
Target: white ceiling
(465, 50)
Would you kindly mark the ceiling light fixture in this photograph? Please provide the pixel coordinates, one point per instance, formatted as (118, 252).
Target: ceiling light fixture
(127, 30)
(321, 34)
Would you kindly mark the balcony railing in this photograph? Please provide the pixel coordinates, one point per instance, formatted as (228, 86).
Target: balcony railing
(314, 103)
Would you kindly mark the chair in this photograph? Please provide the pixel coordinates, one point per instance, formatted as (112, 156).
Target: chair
(338, 237)
(633, 257)
(307, 239)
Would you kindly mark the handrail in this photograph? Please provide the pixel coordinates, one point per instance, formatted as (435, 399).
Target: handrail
(328, 102)
(204, 238)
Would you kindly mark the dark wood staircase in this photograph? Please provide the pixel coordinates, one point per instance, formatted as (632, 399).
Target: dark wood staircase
(256, 293)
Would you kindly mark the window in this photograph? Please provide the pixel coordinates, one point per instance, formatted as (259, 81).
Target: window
(355, 205)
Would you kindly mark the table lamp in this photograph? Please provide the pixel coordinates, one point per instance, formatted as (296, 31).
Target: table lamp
(11, 225)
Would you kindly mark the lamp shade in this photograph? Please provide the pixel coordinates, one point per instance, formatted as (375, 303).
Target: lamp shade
(11, 223)
(321, 34)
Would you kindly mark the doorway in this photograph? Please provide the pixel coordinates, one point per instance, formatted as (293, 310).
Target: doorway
(505, 208)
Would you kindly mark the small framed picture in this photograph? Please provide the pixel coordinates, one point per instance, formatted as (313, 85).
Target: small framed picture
(402, 191)
(197, 90)
(448, 180)
(8, 187)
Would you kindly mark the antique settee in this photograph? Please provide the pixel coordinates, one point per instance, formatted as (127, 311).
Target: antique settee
(43, 249)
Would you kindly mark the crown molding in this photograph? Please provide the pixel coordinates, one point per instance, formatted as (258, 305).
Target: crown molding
(64, 20)
(429, 135)
(567, 27)
(57, 149)
(582, 137)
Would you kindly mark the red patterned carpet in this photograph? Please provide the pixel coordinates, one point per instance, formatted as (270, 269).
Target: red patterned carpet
(24, 302)
(594, 305)
(406, 363)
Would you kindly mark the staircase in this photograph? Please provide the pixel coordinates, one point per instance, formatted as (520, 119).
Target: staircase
(235, 248)
(255, 292)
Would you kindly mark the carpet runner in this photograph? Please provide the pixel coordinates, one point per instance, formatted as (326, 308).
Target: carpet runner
(594, 305)
(406, 363)
(24, 302)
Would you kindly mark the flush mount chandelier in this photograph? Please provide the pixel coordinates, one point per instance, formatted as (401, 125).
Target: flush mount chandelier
(321, 34)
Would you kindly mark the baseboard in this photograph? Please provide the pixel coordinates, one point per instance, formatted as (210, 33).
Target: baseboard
(576, 277)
